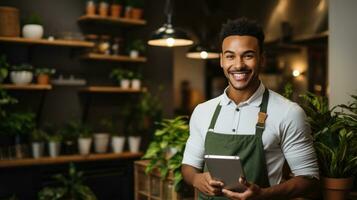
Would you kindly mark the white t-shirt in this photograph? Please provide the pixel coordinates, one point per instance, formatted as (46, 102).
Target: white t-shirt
(286, 135)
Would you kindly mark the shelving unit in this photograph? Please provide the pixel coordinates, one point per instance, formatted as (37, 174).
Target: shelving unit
(152, 187)
(26, 87)
(67, 159)
(114, 58)
(111, 20)
(65, 43)
(109, 89)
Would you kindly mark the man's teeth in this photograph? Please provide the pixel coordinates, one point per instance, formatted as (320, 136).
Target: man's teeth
(240, 75)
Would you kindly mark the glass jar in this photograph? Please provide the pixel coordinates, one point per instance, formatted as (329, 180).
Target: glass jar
(90, 7)
(116, 46)
(104, 44)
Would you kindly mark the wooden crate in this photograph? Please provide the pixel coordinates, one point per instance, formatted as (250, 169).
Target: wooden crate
(152, 187)
(9, 22)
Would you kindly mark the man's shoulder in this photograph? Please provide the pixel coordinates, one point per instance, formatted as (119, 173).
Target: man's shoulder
(280, 101)
(209, 104)
(283, 106)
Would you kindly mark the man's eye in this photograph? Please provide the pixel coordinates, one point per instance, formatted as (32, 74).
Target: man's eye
(248, 56)
(229, 56)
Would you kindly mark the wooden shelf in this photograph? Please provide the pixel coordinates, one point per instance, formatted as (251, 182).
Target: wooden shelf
(112, 20)
(26, 87)
(67, 159)
(109, 89)
(114, 58)
(67, 43)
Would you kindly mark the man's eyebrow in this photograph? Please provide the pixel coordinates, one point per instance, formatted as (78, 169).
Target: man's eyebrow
(228, 51)
(249, 51)
(245, 52)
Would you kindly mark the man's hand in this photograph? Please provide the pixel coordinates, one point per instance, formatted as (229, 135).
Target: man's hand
(253, 192)
(204, 183)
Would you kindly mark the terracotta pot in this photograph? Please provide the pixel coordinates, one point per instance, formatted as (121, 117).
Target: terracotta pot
(43, 79)
(103, 9)
(336, 188)
(127, 13)
(136, 13)
(90, 9)
(115, 10)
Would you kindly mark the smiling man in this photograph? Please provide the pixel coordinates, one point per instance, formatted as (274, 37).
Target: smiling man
(248, 120)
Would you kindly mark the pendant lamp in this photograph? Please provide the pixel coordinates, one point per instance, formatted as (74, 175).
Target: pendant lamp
(201, 52)
(167, 35)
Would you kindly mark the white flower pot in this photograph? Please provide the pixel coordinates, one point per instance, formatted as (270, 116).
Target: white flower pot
(134, 143)
(136, 84)
(54, 149)
(21, 77)
(32, 31)
(101, 141)
(134, 54)
(84, 145)
(37, 149)
(118, 144)
(125, 83)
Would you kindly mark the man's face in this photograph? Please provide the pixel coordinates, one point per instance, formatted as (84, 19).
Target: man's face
(241, 61)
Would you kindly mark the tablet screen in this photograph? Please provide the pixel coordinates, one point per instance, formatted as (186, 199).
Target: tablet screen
(227, 169)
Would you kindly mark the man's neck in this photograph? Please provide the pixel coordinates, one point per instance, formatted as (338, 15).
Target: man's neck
(239, 96)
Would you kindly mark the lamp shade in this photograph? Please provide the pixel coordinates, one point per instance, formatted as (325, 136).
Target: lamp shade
(201, 52)
(168, 36)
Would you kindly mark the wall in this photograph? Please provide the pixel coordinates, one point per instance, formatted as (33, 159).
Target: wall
(191, 70)
(64, 103)
(342, 59)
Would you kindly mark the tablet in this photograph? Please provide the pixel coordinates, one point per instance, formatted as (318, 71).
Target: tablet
(227, 169)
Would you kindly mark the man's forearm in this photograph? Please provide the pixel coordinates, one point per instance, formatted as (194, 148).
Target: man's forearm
(188, 173)
(296, 187)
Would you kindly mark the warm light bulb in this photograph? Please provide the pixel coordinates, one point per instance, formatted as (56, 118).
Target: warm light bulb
(296, 73)
(170, 42)
(204, 54)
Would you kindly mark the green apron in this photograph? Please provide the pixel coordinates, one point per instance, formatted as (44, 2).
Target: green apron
(248, 147)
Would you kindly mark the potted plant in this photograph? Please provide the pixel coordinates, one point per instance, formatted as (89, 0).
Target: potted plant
(84, 140)
(136, 81)
(335, 143)
(116, 8)
(4, 68)
(21, 74)
(70, 187)
(54, 144)
(135, 48)
(38, 137)
(166, 150)
(90, 7)
(117, 139)
(101, 139)
(103, 8)
(19, 126)
(122, 77)
(136, 8)
(134, 138)
(43, 75)
(33, 28)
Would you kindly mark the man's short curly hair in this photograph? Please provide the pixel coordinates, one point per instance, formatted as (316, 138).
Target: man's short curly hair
(242, 27)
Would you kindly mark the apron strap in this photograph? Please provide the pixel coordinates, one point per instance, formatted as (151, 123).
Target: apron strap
(262, 115)
(215, 116)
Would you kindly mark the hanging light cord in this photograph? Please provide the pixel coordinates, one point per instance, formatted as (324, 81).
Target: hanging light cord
(168, 11)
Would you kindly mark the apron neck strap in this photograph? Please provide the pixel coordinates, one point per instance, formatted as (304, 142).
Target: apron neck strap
(215, 116)
(262, 115)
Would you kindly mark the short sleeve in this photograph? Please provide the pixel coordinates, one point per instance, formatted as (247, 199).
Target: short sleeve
(297, 144)
(194, 149)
